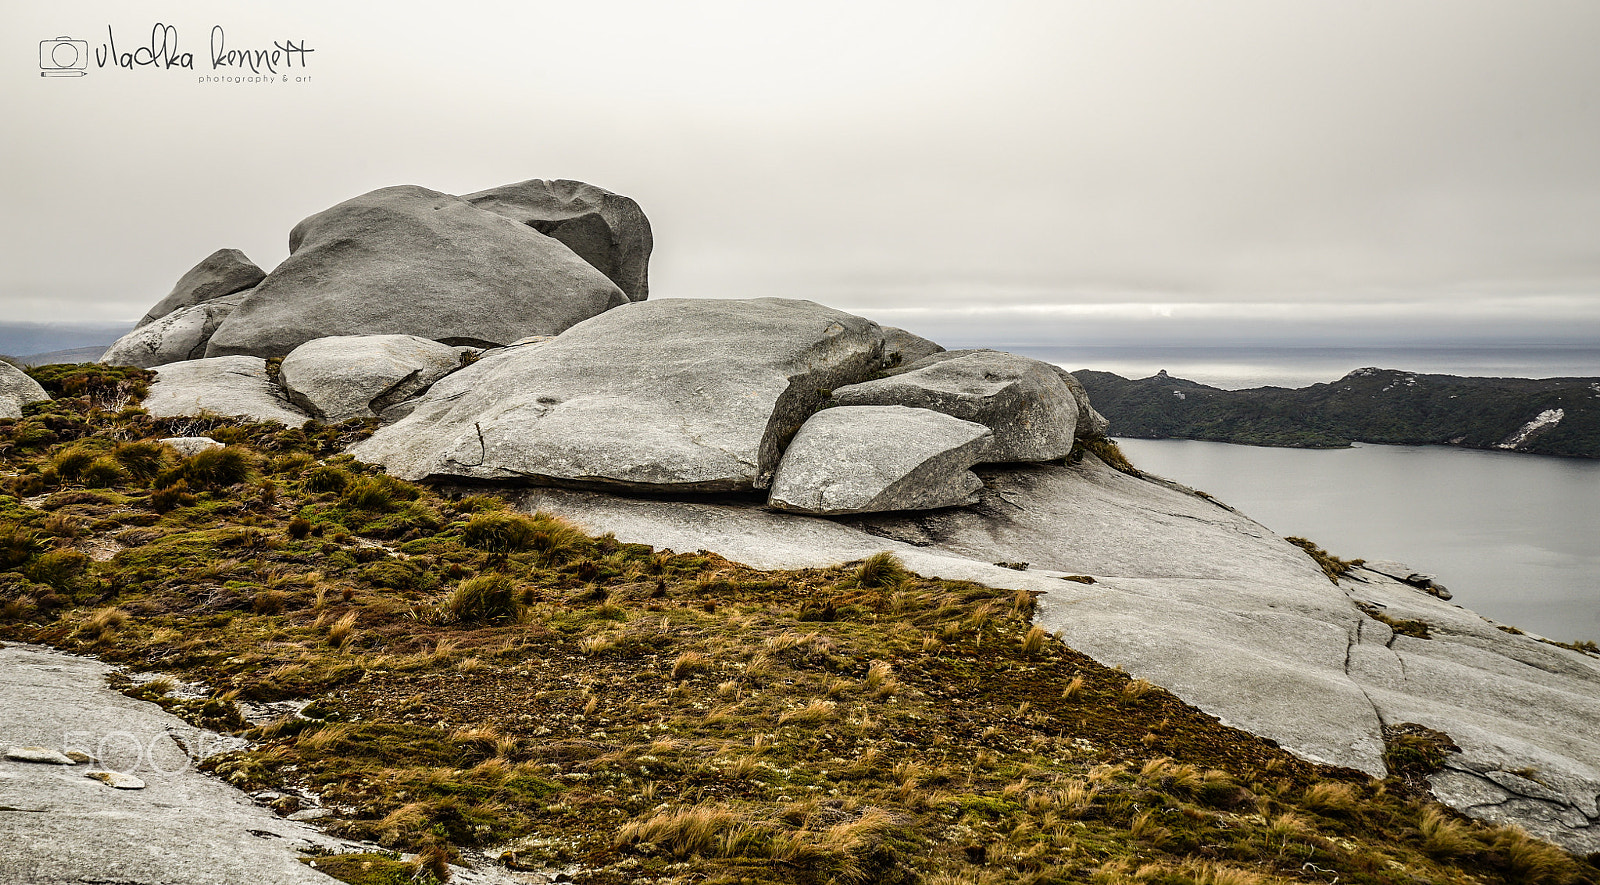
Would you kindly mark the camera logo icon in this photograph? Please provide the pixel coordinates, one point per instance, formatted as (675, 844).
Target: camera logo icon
(63, 57)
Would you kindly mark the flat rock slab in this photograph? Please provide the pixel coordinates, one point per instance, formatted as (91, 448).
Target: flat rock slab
(865, 459)
(174, 337)
(17, 390)
(1216, 608)
(119, 779)
(359, 376)
(219, 274)
(42, 755)
(412, 261)
(184, 828)
(680, 395)
(235, 386)
(1032, 412)
(607, 230)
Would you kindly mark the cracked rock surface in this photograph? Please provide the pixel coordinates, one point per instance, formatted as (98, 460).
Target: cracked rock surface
(182, 828)
(358, 376)
(1218, 609)
(671, 395)
(223, 385)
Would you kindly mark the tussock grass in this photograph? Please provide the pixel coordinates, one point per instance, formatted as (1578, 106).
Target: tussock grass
(516, 692)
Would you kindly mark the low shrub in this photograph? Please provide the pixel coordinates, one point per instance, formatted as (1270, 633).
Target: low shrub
(486, 599)
(881, 570)
(103, 473)
(327, 478)
(143, 460)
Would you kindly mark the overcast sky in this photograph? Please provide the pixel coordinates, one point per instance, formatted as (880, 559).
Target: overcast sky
(1051, 171)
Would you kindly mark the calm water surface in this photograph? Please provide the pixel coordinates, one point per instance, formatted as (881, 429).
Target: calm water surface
(1515, 537)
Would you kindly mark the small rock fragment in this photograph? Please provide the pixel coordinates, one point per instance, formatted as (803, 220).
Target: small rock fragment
(310, 814)
(43, 755)
(118, 779)
(78, 756)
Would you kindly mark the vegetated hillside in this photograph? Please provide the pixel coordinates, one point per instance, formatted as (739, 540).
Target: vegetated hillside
(1555, 416)
(482, 679)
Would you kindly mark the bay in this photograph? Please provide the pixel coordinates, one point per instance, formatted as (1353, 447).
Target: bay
(1515, 537)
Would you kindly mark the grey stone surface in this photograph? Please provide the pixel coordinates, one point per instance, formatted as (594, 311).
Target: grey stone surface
(1090, 422)
(17, 390)
(40, 755)
(183, 829)
(864, 459)
(174, 337)
(235, 386)
(1031, 411)
(1216, 608)
(902, 348)
(411, 261)
(359, 376)
(671, 395)
(120, 780)
(190, 445)
(607, 230)
(221, 273)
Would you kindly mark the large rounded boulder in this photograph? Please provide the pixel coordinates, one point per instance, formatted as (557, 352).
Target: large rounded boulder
(1024, 401)
(180, 335)
(869, 459)
(17, 390)
(680, 395)
(232, 386)
(360, 376)
(221, 274)
(411, 261)
(605, 229)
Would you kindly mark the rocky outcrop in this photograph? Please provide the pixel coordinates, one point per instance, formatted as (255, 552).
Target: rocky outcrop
(607, 230)
(411, 261)
(17, 390)
(235, 386)
(902, 348)
(866, 459)
(677, 395)
(222, 273)
(1405, 574)
(1024, 401)
(1216, 608)
(359, 376)
(1090, 422)
(177, 336)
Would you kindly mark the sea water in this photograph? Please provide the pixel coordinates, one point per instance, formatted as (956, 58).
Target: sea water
(1513, 536)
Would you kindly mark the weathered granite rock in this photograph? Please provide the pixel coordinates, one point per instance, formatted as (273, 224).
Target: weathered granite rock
(359, 376)
(607, 230)
(190, 445)
(39, 755)
(222, 273)
(236, 386)
(174, 337)
(1032, 412)
(118, 779)
(679, 395)
(17, 390)
(1216, 608)
(411, 261)
(1405, 574)
(865, 459)
(1090, 422)
(902, 348)
(184, 828)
